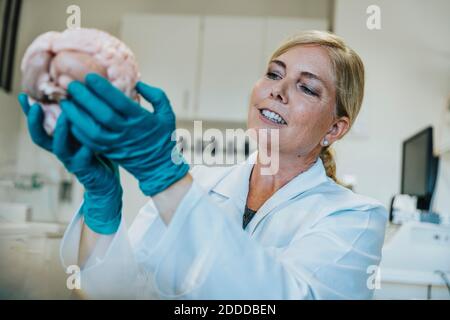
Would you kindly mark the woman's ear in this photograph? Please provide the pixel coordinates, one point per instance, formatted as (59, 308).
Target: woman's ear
(338, 129)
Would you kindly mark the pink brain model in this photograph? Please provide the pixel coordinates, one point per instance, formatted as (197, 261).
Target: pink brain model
(54, 59)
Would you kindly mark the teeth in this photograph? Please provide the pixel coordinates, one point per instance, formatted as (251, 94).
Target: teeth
(272, 116)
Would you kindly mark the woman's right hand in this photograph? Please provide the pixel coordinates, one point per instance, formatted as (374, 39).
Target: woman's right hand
(100, 177)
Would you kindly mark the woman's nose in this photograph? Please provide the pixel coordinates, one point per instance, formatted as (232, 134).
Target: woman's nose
(279, 93)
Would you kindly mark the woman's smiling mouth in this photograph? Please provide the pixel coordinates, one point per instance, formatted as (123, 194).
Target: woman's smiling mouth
(272, 117)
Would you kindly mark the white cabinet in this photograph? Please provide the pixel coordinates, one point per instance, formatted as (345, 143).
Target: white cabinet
(231, 63)
(207, 64)
(166, 48)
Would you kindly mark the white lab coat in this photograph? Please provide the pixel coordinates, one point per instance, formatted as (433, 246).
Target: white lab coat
(313, 239)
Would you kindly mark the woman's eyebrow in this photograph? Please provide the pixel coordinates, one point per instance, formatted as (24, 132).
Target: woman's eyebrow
(310, 75)
(306, 74)
(280, 63)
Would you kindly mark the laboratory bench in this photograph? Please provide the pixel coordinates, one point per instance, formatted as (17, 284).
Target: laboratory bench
(415, 262)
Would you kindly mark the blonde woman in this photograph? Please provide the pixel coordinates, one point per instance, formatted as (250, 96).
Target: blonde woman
(222, 233)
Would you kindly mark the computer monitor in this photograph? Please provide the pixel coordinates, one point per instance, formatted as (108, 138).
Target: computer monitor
(419, 168)
(9, 24)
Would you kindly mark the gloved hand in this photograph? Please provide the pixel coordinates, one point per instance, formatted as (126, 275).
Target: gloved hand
(108, 122)
(102, 204)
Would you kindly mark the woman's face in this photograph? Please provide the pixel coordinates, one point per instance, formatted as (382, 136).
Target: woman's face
(299, 87)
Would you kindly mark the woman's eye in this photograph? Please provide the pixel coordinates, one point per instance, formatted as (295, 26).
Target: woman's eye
(308, 91)
(272, 75)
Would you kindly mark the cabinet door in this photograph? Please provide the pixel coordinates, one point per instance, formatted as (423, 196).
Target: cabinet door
(278, 29)
(231, 59)
(166, 47)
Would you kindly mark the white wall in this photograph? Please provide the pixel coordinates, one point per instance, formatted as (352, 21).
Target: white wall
(407, 85)
(44, 15)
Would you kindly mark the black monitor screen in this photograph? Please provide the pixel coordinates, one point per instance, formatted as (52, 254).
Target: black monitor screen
(9, 20)
(417, 157)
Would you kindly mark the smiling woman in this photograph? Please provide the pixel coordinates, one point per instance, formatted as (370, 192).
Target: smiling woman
(224, 233)
(315, 85)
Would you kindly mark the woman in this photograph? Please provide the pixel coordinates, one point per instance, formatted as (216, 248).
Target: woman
(222, 233)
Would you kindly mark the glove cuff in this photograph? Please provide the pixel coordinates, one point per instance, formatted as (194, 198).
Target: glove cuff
(102, 212)
(163, 178)
(103, 227)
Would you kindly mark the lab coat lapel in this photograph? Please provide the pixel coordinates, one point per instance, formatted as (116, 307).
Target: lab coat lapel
(235, 185)
(300, 184)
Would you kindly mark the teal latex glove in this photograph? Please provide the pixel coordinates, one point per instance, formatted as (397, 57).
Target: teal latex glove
(102, 204)
(108, 122)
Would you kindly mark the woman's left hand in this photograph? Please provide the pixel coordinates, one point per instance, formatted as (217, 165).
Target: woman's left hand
(108, 122)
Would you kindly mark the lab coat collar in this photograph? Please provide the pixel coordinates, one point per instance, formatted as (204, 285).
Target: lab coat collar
(235, 185)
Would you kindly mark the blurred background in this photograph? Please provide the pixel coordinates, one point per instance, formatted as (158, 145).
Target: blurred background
(207, 54)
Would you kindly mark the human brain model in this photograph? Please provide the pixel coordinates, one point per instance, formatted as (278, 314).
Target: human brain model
(54, 59)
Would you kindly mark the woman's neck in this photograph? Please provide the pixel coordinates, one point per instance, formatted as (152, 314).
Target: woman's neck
(289, 166)
(262, 186)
